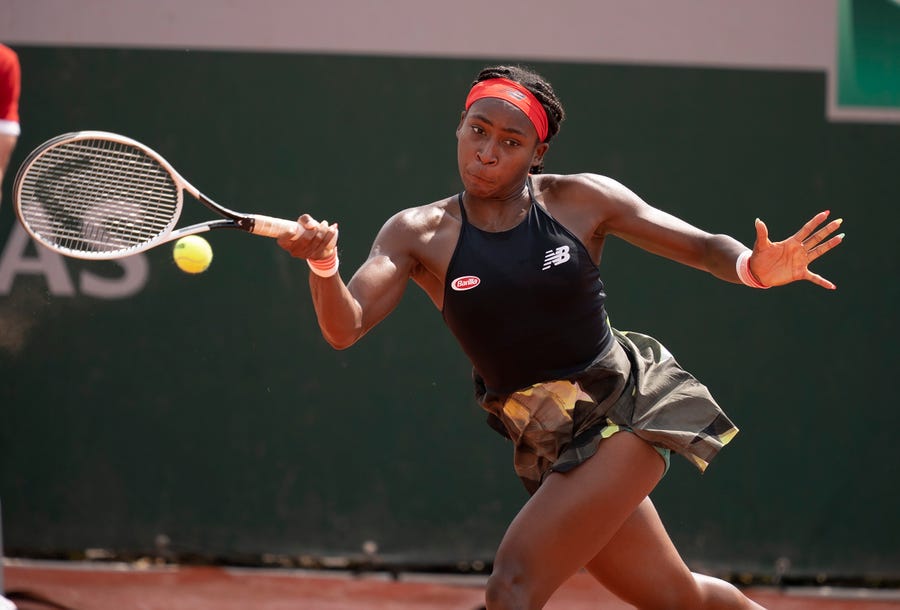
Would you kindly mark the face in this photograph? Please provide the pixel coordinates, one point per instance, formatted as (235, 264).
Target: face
(496, 147)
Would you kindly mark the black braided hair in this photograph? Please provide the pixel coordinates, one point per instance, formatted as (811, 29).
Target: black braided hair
(539, 87)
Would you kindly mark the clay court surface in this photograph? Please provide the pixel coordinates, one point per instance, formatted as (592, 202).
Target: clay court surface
(87, 586)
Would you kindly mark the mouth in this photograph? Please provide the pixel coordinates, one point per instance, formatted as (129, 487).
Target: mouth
(479, 178)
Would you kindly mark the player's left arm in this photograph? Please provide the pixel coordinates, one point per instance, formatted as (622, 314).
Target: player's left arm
(627, 216)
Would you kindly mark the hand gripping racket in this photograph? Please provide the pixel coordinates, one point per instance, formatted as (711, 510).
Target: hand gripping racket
(98, 195)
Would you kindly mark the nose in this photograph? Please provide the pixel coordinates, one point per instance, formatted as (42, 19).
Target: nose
(487, 155)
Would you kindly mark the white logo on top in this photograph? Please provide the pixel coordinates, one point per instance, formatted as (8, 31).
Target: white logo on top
(556, 257)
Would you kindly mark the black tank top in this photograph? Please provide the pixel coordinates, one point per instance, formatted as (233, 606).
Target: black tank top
(526, 304)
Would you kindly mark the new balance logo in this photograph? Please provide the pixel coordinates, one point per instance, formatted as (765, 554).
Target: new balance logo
(556, 257)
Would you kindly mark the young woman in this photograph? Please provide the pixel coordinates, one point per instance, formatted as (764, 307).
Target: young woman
(512, 264)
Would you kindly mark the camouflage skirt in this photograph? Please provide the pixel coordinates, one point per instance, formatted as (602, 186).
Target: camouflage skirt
(637, 385)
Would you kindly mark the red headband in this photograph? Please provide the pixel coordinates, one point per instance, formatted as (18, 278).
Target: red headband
(515, 94)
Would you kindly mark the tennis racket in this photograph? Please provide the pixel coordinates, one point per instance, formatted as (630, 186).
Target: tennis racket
(98, 195)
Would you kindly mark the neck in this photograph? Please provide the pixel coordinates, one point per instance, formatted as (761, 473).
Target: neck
(498, 213)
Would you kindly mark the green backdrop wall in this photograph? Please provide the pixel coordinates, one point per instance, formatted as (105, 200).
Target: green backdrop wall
(208, 408)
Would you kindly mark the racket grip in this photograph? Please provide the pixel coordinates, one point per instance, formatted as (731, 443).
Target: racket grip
(269, 226)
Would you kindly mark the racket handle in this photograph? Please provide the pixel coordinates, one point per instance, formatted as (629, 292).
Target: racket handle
(272, 227)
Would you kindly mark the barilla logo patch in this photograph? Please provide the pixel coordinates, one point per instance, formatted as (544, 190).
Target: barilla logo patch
(466, 282)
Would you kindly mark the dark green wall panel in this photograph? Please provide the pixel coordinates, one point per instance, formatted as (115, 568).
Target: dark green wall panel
(209, 409)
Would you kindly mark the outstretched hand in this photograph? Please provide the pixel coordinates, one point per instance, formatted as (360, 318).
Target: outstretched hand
(783, 262)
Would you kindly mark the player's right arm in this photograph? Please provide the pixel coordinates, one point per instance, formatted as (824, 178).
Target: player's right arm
(347, 311)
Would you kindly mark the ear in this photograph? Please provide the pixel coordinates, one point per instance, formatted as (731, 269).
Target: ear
(462, 118)
(539, 152)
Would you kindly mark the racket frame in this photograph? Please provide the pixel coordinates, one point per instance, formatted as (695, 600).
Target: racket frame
(252, 223)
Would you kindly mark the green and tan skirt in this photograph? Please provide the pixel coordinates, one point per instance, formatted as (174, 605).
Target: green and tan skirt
(637, 386)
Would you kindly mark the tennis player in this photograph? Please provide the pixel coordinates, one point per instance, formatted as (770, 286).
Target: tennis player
(594, 413)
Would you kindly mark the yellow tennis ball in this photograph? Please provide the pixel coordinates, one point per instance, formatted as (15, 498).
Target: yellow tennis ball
(192, 254)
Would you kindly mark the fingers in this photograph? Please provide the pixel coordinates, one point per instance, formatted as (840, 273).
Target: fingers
(787, 261)
(307, 222)
(817, 242)
(762, 232)
(820, 235)
(333, 241)
(818, 250)
(817, 279)
(313, 238)
(807, 229)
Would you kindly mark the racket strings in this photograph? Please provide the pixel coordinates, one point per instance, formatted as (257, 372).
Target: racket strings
(98, 195)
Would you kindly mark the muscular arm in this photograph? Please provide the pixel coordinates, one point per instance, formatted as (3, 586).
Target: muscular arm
(629, 217)
(346, 312)
(612, 209)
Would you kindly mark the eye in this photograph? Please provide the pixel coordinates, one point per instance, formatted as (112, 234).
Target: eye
(477, 129)
(513, 143)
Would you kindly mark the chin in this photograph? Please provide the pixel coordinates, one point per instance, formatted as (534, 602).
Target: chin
(479, 191)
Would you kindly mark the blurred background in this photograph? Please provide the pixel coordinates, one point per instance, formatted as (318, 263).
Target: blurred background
(146, 412)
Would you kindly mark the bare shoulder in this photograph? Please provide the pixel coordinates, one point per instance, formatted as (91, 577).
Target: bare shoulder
(423, 219)
(578, 188)
(584, 203)
(421, 240)
(412, 228)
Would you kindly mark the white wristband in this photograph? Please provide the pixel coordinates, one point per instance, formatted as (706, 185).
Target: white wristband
(325, 267)
(742, 266)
